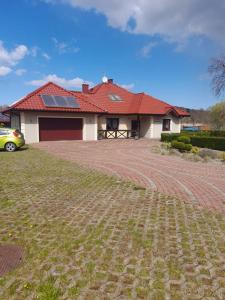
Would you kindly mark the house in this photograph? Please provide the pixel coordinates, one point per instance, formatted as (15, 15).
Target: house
(4, 120)
(104, 111)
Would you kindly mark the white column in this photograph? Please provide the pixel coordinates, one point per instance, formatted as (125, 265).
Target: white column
(23, 123)
(96, 127)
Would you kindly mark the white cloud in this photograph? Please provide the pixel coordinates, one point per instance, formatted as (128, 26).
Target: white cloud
(146, 50)
(46, 56)
(174, 20)
(5, 70)
(67, 83)
(63, 47)
(11, 58)
(20, 72)
(129, 86)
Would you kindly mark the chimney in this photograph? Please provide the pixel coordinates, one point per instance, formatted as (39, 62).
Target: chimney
(85, 88)
(110, 80)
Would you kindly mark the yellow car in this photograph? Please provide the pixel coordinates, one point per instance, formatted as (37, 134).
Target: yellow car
(11, 139)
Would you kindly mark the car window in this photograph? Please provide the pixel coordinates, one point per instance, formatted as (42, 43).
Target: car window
(3, 132)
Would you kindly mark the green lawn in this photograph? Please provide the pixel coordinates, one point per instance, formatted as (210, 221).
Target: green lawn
(90, 236)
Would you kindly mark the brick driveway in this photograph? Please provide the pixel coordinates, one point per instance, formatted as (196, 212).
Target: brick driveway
(200, 183)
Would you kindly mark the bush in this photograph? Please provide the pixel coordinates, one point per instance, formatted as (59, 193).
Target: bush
(195, 150)
(194, 133)
(169, 137)
(210, 142)
(203, 153)
(191, 157)
(181, 146)
(220, 133)
(184, 139)
(223, 157)
(174, 151)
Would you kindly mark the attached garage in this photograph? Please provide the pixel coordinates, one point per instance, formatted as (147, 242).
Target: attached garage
(56, 129)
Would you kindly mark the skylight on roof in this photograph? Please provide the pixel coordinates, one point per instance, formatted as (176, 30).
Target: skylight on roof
(115, 97)
(60, 101)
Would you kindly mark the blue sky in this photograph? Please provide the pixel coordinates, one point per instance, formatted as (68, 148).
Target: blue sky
(161, 50)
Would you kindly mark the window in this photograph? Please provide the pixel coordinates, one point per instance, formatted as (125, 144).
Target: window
(166, 124)
(115, 97)
(112, 123)
(4, 132)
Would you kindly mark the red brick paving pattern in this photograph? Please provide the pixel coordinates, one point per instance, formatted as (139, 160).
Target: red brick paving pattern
(200, 183)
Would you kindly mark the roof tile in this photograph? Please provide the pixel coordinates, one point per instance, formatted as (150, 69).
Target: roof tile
(98, 101)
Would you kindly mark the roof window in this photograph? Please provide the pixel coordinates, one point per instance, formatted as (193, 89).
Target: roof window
(114, 97)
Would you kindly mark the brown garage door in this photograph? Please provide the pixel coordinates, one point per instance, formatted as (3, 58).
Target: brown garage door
(56, 129)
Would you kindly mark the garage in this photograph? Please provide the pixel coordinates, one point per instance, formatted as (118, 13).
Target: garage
(56, 129)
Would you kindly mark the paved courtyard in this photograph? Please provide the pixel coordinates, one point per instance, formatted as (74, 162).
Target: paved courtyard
(199, 183)
(88, 236)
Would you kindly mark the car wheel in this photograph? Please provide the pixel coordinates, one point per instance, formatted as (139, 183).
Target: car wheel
(10, 147)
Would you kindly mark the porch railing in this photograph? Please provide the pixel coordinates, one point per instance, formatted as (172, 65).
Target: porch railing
(117, 134)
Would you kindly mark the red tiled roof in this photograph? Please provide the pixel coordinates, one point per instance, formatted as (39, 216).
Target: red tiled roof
(97, 101)
(131, 103)
(33, 100)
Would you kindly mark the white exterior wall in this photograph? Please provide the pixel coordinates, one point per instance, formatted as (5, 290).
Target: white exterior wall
(146, 126)
(175, 126)
(30, 125)
(124, 121)
(151, 126)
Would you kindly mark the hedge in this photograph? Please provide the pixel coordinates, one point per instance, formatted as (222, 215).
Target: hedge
(184, 139)
(220, 133)
(169, 137)
(211, 142)
(194, 133)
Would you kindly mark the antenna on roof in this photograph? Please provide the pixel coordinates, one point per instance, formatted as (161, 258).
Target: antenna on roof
(104, 79)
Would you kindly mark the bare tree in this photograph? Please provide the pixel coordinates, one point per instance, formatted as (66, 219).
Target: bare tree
(217, 72)
(2, 107)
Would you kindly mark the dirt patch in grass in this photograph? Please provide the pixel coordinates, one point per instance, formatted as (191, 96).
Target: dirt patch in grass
(87, 236)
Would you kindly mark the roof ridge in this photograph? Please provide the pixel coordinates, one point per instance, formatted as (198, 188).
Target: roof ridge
(95, 88)
(108, 84)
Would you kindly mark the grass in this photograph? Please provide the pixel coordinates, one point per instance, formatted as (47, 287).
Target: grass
(87, 235)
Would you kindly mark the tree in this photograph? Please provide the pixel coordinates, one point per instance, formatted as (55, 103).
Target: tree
(217, 115)
(217, 72)
(2, 107)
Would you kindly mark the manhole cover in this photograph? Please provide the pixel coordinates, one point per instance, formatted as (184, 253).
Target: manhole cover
(10, 258)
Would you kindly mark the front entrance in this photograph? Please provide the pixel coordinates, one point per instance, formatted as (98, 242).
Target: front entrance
(135, 126)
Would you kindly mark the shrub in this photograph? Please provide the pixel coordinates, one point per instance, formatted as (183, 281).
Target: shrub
(184, 139)
(174, 151)
(210, 142)
(203, 153)
(165, 146)
(191, 157)
(194, 133)
(223, 157)
(181, 146)
(220, 133)
(169, 137)
(195, 150)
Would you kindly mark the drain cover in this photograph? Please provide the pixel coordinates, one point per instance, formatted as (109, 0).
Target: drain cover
(10, 257)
